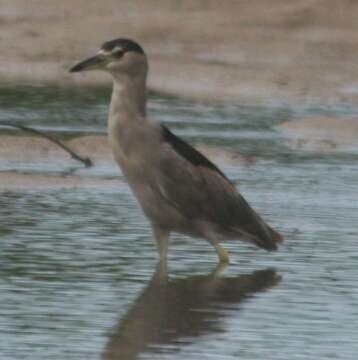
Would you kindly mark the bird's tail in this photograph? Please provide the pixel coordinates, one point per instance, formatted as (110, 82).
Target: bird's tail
(263, 235)
(253, 228)
(275, 239)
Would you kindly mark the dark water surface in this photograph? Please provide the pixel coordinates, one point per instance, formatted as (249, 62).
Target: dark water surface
(78, 272)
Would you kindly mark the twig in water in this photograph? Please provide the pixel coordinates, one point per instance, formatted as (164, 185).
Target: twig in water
(85, 160)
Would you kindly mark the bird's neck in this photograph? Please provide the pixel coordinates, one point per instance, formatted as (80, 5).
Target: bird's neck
(128, 102)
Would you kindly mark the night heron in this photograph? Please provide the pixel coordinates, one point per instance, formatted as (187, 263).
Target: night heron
(178, 188)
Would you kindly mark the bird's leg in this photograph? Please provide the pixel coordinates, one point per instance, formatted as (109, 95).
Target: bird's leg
(162, 238)
(222, 253)
(219, 269)
(161, 273)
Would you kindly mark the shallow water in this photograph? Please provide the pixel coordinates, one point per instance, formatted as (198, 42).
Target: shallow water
(78, 276)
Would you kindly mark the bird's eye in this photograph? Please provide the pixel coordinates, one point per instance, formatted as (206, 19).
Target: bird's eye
(118, 53)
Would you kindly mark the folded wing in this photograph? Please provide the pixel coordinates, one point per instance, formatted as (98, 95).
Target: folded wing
(199, 190)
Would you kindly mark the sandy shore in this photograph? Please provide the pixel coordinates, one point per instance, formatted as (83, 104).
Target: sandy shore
(268, 50)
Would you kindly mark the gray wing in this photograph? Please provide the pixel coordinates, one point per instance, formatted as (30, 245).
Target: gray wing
(199, 190)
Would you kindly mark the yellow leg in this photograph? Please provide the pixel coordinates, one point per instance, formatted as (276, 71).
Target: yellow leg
(219, 269)
(222, 253)
(162, 238)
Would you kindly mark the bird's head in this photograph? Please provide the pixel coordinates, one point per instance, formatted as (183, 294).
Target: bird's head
(118, 56)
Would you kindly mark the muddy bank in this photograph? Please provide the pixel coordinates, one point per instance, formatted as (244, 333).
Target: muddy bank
(12, 180)
(242, 51)
(22, 157)
(96, 147)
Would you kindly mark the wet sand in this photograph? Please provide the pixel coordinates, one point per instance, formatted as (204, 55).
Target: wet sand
(242, 51)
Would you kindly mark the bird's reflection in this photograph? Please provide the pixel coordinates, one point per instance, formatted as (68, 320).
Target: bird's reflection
(180, 310)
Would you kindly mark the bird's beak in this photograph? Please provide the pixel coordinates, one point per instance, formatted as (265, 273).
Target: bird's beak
(92, 63)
